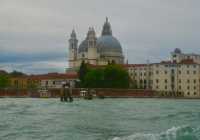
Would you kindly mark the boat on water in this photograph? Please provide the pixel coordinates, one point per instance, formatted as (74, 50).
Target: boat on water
(87, 94)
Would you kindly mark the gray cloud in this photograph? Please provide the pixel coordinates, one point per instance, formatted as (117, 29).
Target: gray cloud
(35, 31)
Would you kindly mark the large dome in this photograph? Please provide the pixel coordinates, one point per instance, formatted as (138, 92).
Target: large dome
(108, 43)
(108, 47)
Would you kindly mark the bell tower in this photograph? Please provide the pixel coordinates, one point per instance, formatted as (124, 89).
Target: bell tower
(92, 49)
(73, 45)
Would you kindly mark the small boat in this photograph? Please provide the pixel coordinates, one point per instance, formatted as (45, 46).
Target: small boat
(86, 95)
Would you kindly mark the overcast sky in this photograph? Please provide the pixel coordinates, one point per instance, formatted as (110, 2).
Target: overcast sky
(34, 33)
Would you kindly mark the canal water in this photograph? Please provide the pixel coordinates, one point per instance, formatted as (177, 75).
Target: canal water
(108, 119)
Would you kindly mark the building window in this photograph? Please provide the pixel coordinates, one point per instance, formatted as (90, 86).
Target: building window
(179, 81)
(188, 93)
(172, 71)
(166, 87)
(157, 65)
(165, 80)
(188, 72)
(194, 81)
(194, 72)
(188, 81)
(172, 87)
(157, 81)
(157, 72)
(179, 72)
(157, 87)
(188, 66)
(194, 66)
(54, 82)
(195, 93)
(188, 87)
(90, 43)
(165, 72)
(172, 78)
(179, 87)
(194, 87)
(83, 55)
(149, 73)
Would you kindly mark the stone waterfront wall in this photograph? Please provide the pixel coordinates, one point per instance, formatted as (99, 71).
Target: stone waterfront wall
(13, 93)
(120, 93)
(54, 93)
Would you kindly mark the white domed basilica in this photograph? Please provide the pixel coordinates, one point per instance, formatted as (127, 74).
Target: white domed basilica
(97, 51)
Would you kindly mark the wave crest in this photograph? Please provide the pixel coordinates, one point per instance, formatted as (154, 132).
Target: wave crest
(174, 133)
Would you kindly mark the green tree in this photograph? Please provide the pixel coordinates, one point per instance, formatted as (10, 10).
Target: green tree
(4, 81)
(16, 73)
(82, 72)
(112, 76)
(94, 79)
(116, 77)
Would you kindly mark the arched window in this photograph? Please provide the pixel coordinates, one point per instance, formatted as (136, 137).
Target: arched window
(83, 55)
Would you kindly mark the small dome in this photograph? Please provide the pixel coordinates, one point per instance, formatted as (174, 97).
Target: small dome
(177, 50)
(91, 35)
(83, 46)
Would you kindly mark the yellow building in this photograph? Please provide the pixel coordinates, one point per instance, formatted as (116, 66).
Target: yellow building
(24, 82)
(50, 80)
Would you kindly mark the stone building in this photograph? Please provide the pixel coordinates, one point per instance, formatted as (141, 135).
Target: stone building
(95, 50)
(43, 81)
(177, 56)
(179, 77)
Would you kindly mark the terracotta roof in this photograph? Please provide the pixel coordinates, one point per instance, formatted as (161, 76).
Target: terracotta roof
(187, 61)
(3, 72)
(96, 66)
(134, 65)
(71, 75)
(55, 76)
(123, 65)
(167, 62)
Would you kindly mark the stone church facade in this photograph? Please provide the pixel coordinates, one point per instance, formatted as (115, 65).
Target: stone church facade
(95, 50)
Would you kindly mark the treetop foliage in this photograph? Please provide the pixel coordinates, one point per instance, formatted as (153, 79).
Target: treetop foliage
(111, 76)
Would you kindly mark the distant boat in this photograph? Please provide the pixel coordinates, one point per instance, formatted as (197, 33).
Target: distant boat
(85, 94)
